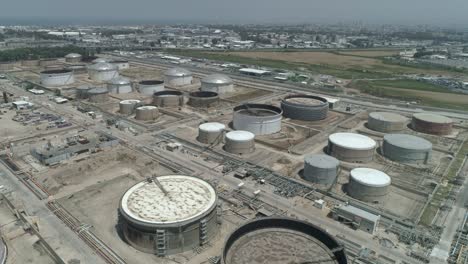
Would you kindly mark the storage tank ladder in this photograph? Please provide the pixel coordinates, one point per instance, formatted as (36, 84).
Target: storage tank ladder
(203, 231)
(161, 242)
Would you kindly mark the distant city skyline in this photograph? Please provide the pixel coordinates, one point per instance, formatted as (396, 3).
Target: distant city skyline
(402, 12)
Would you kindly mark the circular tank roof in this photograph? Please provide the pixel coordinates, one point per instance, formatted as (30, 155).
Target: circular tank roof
(178, 72)
(150, 82)
(305, 100)
(103, 66)
(130, 101)
(321, 161)
(98, 60)
(212, 127)
(217, 79)
(240, 135)
(258, 110)
(120, 81)
(183, 198)
(370, 177)
(147, 107)
(388, 116)
(98, 90)
(433, 118)
(352, 141)
(73, 55)
(58, 71)
(408, 141)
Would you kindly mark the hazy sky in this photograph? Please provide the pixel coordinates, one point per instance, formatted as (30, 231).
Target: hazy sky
(438, 12)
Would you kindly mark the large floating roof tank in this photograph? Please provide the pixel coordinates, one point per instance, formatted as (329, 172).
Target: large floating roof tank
(305, 107)
(260, 119)
(386, 122)
(177, 209)
(406, 148)
(59, 77)
(351, 147)
(368, 185)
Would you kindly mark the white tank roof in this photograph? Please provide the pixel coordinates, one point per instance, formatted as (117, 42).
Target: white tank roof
(120, 81)
(212, 127)
(370, 177)
(388, 116)
(130, 101)
(98, 60)
(103, 66)
(217, 79)
(240, 135)
(178, 72)
(352, 141)
(73, 55)
(147, 107)
(187, 198)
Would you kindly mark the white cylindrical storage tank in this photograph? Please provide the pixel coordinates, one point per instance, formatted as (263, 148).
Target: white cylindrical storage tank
(102, 72)
(174, 215)
(119, 85)
(147, 112)
(127, 107)
(260, 119)
(351, 147)
(239, 142)
(149, 87)
(386, 122)
(177, 77)
(168, 99)
(98, 95)
(121, 64)
(321, 169)
(57, 77)
(218, 83)
(211, 133)
(73, 58)
(406, 148)
(368, 185)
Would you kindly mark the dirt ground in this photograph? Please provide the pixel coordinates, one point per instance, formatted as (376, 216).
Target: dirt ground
(372, 53)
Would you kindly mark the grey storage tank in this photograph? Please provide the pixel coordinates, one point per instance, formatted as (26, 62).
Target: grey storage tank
(119, 85)
(211, 133)
(178, 77)
(218, 83)
(239, 142)
(98, 95)
(73, 58)
(368, 185)
(430, 123)
(81, 92)
(260, 119)
(168, 99)
(305, 107)
(203, 99)
(173, 215)
(146, 113)
(406, 148)
(351, 147)
(386, 122)
(321, 169)
(127, 107)
(149, 87)
(102, 72)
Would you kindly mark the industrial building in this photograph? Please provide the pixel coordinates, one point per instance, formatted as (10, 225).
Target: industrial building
(169, 214)
(280, 240)
(357, 218)
(168, 99)
(239, 142)
(368, 185)
(406, 148)
(54, 78)
(52, 154)
(386, 122)
(351, 147)
(430, 123)
(218, 83)
(149, 87)
(103, 72)
(127, 107)
(73, 58)
(98, 95)
(260, 119)
(120, 85)
(178, 77)
(305, 107)
(203, 99)
(146, 113)
(321, 169)
(211, 133)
